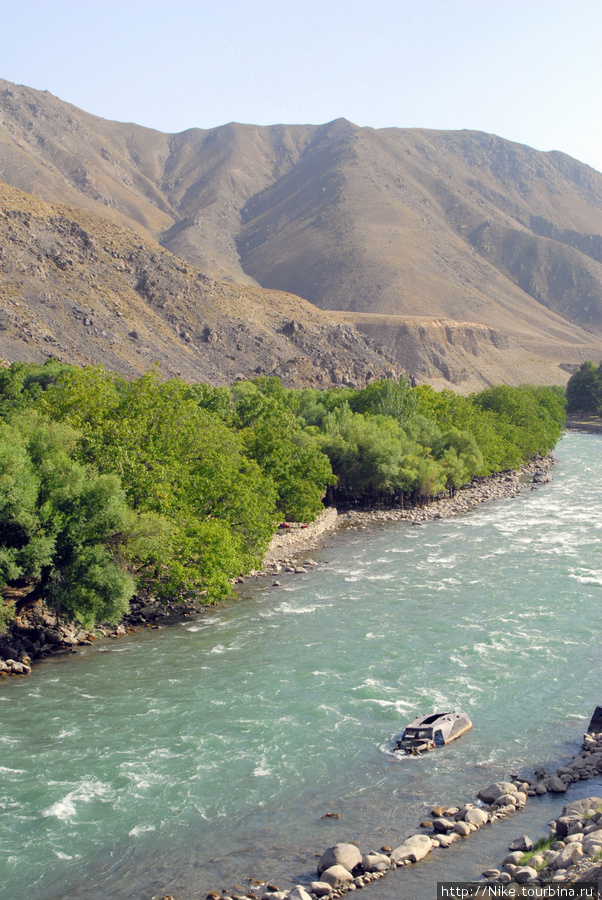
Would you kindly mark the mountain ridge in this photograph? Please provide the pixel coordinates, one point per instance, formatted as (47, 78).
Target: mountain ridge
(461, 226)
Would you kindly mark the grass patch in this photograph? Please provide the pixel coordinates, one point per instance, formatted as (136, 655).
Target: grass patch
(541, 844)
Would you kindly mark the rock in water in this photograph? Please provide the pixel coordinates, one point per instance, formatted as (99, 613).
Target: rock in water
(493, 791)
(337, 876)
(414, 849)
(595, 725)
(346, 855)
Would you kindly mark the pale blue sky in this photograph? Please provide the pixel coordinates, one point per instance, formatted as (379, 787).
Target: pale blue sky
(527, 70)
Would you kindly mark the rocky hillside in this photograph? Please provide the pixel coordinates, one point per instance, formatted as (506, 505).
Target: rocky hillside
(460, 227)
(83, 289)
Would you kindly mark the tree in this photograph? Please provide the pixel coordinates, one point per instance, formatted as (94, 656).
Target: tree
(61, 526)
(177, 460)
(396, 399)
(274, 440)
(584, 390)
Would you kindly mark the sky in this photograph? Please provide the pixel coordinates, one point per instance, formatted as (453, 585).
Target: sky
(526, 70)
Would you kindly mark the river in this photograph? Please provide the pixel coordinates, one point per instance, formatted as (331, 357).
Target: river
(191, 758)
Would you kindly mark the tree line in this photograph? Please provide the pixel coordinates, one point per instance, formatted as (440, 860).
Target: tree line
(108, 485)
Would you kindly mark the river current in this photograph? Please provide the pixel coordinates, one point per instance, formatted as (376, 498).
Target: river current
(194, 757)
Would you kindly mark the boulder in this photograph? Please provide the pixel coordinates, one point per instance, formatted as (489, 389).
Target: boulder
(556, 785)
(524, 874)
(493, 791)
(337, 876)
(523, 843)
(462, 828)
(442, 825)
(564, 824)
(581, 807)
(592, 843)
(476, 817)
(504, 800)
(413, 850)
(320, 888)
(568, 856)
(376, 862)
(18, 668)
(346, 855)
(513, 858)
(446, 840)
(299, 893)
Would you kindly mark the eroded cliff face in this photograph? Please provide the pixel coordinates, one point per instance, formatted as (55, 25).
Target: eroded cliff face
(467, 356)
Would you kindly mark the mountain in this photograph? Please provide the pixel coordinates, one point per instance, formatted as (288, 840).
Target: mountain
(469, 257)
(84, 289)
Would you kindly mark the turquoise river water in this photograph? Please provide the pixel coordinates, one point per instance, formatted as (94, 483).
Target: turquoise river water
(194, 757)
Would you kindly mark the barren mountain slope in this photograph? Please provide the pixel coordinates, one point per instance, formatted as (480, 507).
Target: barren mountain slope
(83, 289)
(391, 220)
(458, 226)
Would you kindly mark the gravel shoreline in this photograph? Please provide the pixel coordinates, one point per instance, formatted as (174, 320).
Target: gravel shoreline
(295, 541)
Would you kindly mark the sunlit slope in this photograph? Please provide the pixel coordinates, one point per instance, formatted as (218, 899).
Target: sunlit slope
(86, 290)
(458, 226)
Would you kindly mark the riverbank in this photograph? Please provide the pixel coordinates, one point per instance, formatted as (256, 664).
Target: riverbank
(572, 853)
(36, 633)
(292, 543)
(587, 424)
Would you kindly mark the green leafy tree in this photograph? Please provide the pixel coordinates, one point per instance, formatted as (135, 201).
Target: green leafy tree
(21, 384)
(273, 438)
(396, 399)
(178, 460)
(61, 526)
(584, 390)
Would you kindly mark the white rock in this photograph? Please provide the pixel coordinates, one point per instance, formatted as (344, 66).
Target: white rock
(412, 850)
(567, 857)
(346, 855)
(320, 888)
(476, 817)
(299, 893)
(446, 840)
(337, 876)
(376, 862)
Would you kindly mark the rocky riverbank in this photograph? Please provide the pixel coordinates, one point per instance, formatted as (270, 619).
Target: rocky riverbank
(572, 853)
(36, 633)
(294, 541)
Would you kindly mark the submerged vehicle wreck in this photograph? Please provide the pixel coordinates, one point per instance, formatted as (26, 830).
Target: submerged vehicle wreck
(433, 730)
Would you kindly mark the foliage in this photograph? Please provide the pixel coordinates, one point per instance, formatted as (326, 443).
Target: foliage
(22, 383)
(61, 527)
(274, 439)
(584, 390)
(105, 482)
(177, 460)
